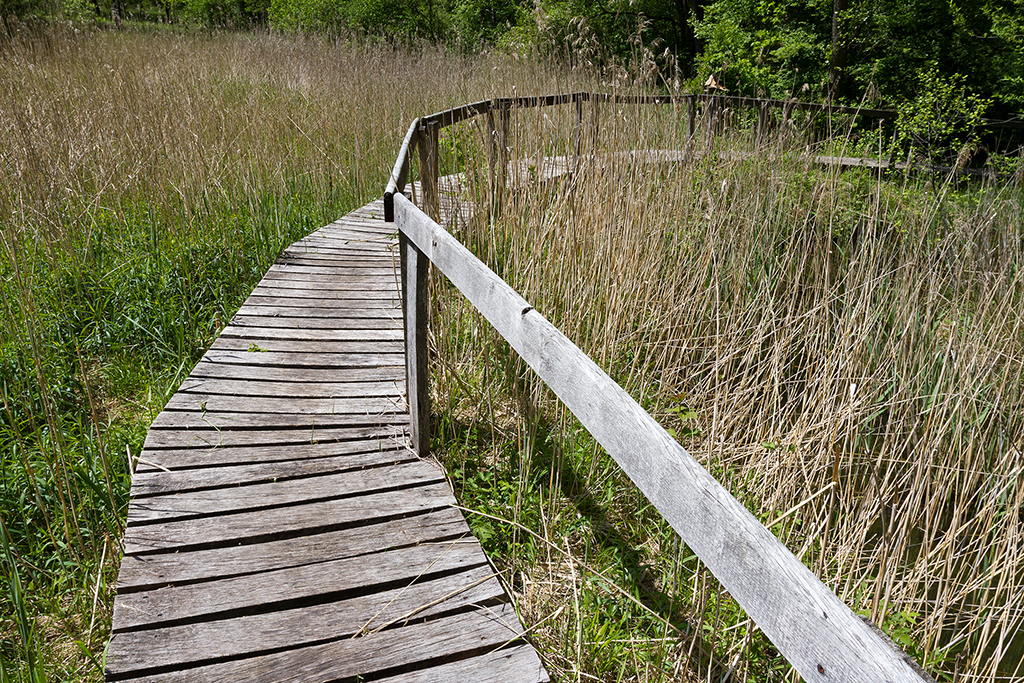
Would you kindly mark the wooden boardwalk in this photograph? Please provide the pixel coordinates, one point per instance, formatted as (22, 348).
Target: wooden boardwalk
(280, 528)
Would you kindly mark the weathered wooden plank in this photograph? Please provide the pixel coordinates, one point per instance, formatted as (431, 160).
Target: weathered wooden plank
(387, 373)
(805, 620)
(338, 305)
(212, 458)
(297, 323)
(329, 282)
(154, 481)
(385, 293)
(221, 428)
(286, 359)
(247, 309)
(235, 387)
(515, 664)
(414, 646)
(358, 405)
(191, 644)
(337, 280)
(358, 257)
(330, 580)
(239, 332)
(253, 526)
(167, 508)
(318, 346)
(342, 269)
(153, 571)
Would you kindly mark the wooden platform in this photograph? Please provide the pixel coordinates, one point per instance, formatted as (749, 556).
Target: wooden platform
(280, 528)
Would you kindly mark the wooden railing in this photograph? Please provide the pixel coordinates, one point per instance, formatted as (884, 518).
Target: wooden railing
(817, 633)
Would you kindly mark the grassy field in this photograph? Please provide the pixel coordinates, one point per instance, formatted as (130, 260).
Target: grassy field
(829, 339)
(147, 180)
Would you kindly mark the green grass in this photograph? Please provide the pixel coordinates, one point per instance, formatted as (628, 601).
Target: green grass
(147, 181)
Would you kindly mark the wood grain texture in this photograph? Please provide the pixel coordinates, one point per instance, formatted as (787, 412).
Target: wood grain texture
(288, 359)
(278, 517)
(255, 309)
(298, 334)
(155, 571)
(317, 346)
(292, 322)
(329, 580)
(175, 430)
(358, 405)
(205, 642)
(235, 387)
(387, 373)
(414, 646)
(257, 496)
(264, 525)
(212, 458)
(805, 620)
(516, 664)
(154, 481)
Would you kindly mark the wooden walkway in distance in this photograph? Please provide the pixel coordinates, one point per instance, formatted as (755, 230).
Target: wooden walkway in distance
(280, 528)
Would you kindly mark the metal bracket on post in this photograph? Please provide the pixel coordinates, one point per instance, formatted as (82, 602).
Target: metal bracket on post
(414, 309)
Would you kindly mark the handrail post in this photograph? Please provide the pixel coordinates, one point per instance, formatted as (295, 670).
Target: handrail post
(414, 310)
(429, 168)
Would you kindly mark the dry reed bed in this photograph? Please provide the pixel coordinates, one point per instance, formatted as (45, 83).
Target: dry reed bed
(848, 345)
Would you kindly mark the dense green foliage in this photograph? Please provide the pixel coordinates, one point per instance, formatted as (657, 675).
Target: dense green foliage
(881, 50)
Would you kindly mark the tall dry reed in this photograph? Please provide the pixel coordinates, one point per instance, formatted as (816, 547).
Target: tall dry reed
(844, 352)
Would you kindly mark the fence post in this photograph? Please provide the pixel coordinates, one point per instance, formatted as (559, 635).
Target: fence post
(691, 116)
(414, 310)
(595, 118)
(578, 134)
(429, 168)
(762, 124)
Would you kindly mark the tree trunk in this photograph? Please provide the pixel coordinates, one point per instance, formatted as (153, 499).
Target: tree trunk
(837, 65)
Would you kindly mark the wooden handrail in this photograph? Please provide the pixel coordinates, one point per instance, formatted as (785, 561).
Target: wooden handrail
(820, 636)
(818, 633)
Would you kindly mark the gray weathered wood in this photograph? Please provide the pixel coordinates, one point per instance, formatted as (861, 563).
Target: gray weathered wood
(201, 385)
(364, 311)
(387, 373)
(154, 481)
(378, 346)
(170, 507)
(154, 571)
(330, 323)
(516, 664)
(414, 289)
(358, 405)
(255, 592)
(338, 305)
(385, 292)
(239, 332)
(287, 359)
(309, 427)
(292, 628)
(414, 646)
(258, 525)
(805, 620)
(205, 459)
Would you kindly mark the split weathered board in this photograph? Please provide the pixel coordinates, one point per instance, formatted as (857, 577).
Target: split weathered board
(281, 527)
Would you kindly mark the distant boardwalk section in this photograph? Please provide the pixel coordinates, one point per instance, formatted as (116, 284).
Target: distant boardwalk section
(280, 528)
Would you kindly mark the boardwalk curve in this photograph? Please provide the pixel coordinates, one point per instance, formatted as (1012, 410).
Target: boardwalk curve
(280, 528)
